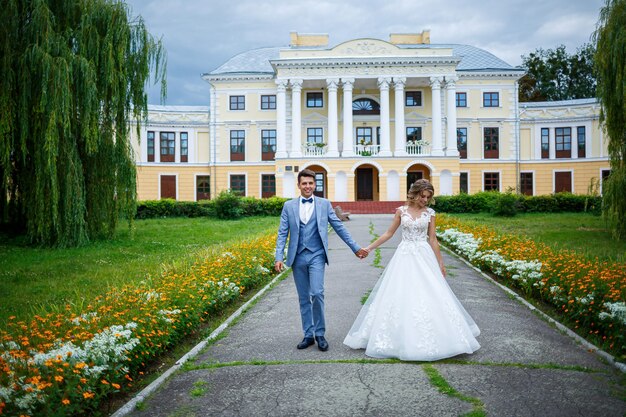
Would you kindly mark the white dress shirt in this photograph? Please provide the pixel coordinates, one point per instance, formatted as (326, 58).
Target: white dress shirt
(306, 209)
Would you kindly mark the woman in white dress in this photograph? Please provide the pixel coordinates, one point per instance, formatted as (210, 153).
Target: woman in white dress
(412, 314)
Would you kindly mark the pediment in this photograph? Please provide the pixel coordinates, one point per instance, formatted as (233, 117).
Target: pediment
(314, 116)
(366, 47)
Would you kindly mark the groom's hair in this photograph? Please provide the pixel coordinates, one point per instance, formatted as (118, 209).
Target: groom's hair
(306, 173)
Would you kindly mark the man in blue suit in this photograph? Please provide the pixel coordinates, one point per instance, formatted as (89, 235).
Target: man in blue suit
(305, 220)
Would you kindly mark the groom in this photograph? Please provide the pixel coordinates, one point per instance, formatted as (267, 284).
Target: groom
(305, 219)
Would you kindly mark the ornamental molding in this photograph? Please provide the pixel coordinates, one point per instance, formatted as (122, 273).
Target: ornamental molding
(365, 71)
(211, 78)
(503, 73)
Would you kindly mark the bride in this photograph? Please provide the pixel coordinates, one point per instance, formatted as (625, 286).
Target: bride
(412, 314)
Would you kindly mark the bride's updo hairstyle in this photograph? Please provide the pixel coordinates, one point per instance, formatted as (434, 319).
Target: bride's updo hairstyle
(416, 189)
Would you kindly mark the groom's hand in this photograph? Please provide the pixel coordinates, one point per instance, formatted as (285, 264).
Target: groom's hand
(361, 253)
(279, 266)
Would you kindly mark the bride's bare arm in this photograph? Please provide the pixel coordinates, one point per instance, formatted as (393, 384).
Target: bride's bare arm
(387, 235)
(434, 244)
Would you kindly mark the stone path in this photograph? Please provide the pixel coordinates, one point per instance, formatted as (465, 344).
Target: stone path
(525, 366)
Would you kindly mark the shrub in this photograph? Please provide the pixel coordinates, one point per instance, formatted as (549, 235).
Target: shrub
(505, 205)
(228, 205)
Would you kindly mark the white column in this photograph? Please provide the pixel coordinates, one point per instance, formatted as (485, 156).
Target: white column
(574, 153)
(451, 145)
(281, 119)
(296, 122)
(348, 141)
(437, 148)
(383, 85)
(332, 84)
(400, 127)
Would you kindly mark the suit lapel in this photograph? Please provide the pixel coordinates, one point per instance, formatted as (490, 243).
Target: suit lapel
(296, 210)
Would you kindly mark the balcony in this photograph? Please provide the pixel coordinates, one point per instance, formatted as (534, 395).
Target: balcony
(367, 150)
(418, 148)
(314, 149)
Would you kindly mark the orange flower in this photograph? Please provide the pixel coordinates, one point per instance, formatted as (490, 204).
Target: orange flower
(58, 378)
(116, 386)
(88, 395)
(65, 401)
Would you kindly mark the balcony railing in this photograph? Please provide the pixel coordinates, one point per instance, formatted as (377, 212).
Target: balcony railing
(417, 149)
(367, 150)
(312, 149)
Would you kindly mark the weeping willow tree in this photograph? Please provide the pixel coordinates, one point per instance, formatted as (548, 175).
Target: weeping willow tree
(73, 73)
(610, 61)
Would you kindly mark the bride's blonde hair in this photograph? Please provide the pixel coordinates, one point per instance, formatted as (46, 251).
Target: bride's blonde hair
(416, 189)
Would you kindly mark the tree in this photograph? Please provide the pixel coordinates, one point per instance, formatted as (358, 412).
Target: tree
(73, 73)
(610, 65)
(556, 75)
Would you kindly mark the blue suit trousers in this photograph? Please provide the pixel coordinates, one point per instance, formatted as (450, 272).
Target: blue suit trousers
(308, 273)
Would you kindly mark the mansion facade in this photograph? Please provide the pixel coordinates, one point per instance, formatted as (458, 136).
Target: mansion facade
(369, 117)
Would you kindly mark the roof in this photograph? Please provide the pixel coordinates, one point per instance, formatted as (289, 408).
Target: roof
(573, 102)
(257, 61)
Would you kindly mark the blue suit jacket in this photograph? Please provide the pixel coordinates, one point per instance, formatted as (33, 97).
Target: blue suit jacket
(290, 226)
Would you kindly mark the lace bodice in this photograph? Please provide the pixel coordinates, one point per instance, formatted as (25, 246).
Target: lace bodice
(415, 230)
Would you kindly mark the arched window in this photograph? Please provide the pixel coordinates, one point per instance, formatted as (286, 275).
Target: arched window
(365, 106)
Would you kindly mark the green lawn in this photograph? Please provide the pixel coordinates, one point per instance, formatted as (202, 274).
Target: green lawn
(580, 232)
(34, 279)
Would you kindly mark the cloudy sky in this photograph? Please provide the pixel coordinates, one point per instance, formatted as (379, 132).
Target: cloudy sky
(200, 35)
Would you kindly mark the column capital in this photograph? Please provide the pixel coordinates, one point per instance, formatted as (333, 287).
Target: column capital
(281, 84)
(451, 81)
(399, 82)
(383, 82)
(347, 82)
(435, 82)
(332, 83)
(296, 84)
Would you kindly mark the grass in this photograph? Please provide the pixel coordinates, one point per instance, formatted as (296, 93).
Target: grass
(34, 280)
(583, 233)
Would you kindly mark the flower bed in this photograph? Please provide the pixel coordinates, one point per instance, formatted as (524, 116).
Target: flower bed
(589, 294)
(65, 364)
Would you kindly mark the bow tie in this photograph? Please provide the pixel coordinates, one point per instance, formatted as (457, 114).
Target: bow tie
(307, 200)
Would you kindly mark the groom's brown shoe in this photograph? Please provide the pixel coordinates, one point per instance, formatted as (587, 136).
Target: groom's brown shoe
(306, 342)
(322, 344)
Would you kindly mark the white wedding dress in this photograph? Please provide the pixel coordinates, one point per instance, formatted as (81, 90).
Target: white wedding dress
(412, 314)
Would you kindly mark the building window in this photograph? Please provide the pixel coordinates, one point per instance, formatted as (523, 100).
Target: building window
(365, 106)
(461, 141)
(237, 102)
(491, 140)
(545, 143)
(526, 183)
(168, 146)
(364, 135)
(491, 99)
(604, 175)
(314, 135)
(150, 146)
(238, 184)
(413, 134)
(463, 183)
(563, 182)
(581, 142)
(268, 186)
(314, 100)
(268, 102)
(413, 99)
(237, 145)
(184, 147)
(203, 187)
(563, 142)
(268, 144)
(319, 184)
(461, 99)
(491, 181)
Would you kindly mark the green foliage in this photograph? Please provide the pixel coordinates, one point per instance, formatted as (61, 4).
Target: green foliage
(554, 74)
(246, 206)
(228, 205)
(505, 204)
(610, 66)
(73, 74)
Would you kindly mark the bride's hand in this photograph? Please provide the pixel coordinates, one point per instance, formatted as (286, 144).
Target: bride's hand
(443, 270)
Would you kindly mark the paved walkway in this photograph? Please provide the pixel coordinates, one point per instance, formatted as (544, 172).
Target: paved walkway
(525, 366)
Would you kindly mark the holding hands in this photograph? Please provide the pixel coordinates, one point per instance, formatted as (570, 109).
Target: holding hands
(362, 253)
